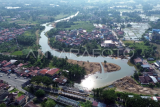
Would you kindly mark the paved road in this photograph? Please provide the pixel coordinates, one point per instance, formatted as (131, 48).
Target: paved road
(14, 82)
(118, 38)
(157, 71)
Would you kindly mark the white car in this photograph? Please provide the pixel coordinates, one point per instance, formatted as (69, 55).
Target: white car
(1, 75)
(15, 77)
(9, 76)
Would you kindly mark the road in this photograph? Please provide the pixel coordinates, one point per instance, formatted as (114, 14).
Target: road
(12, 81)
(118, 38)
(157, 71)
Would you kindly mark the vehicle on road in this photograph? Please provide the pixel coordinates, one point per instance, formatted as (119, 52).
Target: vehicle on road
(15, 77)
(9, 76)
(1, 75)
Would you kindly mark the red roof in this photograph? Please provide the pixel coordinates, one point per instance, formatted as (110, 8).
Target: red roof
(137, 60)
(35, 71)
(20, 98)
(158, 98)
(7, 64)
(3, 62)
(44, 71)
(52, 71)
(95, 103)
(20, 65)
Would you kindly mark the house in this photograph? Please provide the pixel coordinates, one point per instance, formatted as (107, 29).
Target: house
(142, 80)
(20, 65)
(6, 69)
(95, 104)
(108, 43)
(150, 59)
(138, 60)
(3, 62)
(21, 100)
(10, 97)
(62, 80)
(157, 63)
(3, 94)
(33, 73)
(8, 64)
(146, 79)
(145, 66)
(30, 104)
(98, 104)
(43, 72)
(52, 72)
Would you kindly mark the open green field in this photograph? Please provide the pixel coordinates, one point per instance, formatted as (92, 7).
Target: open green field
(131, 42)
(28, 33)
(20, 93)
(60, 16)
(16, 53)
(21, 22)
(14, 90)
(158, 49)
(81, 24)
(137, 45)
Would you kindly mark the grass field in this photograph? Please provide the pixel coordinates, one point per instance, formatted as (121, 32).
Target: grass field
(139, 45)
(81, 24)
(16, 53)
(131, 42)
(158, 49)
(14, 90)
(60, 16)
(28, 33)
(20, 93)
(21, 22)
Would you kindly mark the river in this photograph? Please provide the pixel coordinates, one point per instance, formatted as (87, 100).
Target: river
(91, 81)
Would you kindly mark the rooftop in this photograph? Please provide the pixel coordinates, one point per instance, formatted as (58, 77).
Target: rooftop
(20, 98)
(52, 71)
(108, 41)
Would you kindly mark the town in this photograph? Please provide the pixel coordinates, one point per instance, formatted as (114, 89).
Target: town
(79, 53)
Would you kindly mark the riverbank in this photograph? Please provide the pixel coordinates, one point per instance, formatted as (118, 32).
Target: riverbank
(110, 67)
(90, 67)
(128, 84)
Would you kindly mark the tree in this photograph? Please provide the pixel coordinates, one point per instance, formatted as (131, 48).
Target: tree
(105, 62)
(50, 103)
(136, 76)
(2, 105)
(129, 25)
(40, 93)
(47, 81)
(109, 96)
(151, 85)
(86, 104)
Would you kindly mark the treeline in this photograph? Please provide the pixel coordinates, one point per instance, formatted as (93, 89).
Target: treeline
(53, 32)
(29, 40)
(133, 16)
(9, 25)
(26, 40)
(110, 96)
(64, 24)
(75, 71)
